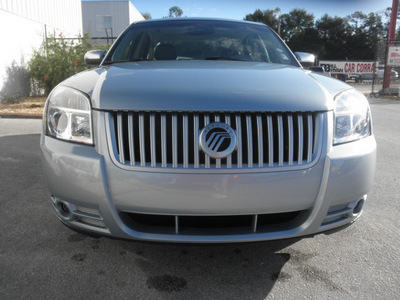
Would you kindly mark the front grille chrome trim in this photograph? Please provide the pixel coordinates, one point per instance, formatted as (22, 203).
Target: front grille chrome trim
(120, 138)
(290, 132)
(141, 141)
(174, 141)
(249, 142)
(196, 147)
(310, 141)
(280, 139)
(270, 142)
(163, 141)
(169, 141)
(239, 141)
(131, 138)
(301, 139)
(260, 142)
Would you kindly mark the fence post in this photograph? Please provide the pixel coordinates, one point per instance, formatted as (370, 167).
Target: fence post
(386, 79)
(391, 37)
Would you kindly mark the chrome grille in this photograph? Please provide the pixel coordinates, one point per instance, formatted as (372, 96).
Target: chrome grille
(170, 140)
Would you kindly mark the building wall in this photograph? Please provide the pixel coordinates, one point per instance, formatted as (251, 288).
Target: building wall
(62, 15)
(114, 16)
(23, 24)
(134, 14)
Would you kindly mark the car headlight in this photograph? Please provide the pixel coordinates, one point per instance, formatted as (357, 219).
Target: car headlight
(352, 117)
(68, 116)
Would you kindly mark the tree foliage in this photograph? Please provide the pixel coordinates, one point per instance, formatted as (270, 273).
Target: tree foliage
(353, 37)
(58, 59)
(296, 22)
(16, 84)
(175, 12)
(267, 17)
(146, 15)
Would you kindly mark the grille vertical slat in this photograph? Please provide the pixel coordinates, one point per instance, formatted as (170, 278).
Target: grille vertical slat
(260, 142)
(291, 140)
(249, 142)
(270, 141)
(153, 140)
(176, 224)
(206, 157)
(310, 137)
(239, 141)
(174, 141)
(300, 139)
(120, 138)
(185, 141)
(142, 141)
(196, 141)
(254, 223)
(131, 139)
(280, 140)
(229, 158)
(218, 160)
(316, 133)
(165, 140)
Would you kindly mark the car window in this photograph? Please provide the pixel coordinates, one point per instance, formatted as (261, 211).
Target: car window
(187, 40)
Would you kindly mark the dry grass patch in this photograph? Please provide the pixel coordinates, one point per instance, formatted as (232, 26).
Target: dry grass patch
(29, 105)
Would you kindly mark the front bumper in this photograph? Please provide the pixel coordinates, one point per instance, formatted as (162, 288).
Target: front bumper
(100, 197)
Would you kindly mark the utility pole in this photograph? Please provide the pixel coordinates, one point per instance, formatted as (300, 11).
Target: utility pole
(391, 36)
(278, 11)
(45, 36)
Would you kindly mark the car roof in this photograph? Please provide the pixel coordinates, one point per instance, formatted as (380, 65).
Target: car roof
(183, 19)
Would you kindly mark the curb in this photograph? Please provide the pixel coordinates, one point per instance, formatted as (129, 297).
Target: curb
(20, 116)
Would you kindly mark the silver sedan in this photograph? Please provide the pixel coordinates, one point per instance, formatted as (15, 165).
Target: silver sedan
(205, 130)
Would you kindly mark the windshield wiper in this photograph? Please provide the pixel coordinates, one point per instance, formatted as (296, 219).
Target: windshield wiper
(110, 62)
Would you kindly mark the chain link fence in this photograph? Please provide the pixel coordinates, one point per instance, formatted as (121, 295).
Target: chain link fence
(393, 73)
(373, 83)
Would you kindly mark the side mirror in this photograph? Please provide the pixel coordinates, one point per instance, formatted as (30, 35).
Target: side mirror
(306, 59)
(94, 57)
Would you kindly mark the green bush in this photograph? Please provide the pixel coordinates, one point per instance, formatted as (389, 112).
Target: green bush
(58, 59)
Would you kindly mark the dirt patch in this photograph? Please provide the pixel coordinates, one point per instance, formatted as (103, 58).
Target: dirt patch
(29, 105)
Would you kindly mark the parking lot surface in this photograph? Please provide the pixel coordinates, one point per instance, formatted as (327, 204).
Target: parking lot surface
(42, 259)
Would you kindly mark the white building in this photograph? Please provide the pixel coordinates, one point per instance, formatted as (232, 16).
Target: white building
(107, 19)
(23, 24)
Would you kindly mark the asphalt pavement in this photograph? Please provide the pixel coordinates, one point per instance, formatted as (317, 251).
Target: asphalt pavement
(42, 259)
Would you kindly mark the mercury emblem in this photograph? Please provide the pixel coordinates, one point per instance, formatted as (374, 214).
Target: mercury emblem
(218, 140)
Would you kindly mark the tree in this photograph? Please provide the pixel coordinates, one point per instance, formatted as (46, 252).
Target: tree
(366, 31)
(354, 37)
(356, 21)
(267, 17)
(307, 40)
(146, 16)
(296, 22)
(56, 60)
(17, 83)
(175, 12)
(334, 34)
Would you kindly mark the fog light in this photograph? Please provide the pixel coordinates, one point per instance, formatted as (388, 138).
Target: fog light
(65, 208)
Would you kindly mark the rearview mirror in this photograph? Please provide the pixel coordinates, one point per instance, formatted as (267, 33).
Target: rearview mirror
(94, 57)
(306, 59)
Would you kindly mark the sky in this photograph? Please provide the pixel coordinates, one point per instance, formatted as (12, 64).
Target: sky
(235, 9)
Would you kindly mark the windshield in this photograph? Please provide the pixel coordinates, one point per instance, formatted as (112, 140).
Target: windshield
(200, 40)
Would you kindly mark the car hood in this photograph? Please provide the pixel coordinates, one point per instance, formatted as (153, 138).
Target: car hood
(206, 86)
